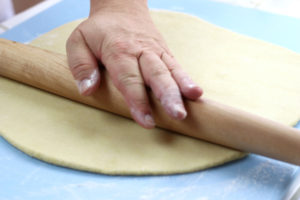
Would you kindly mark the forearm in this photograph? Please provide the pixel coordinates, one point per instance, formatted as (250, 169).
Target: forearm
(128, 6)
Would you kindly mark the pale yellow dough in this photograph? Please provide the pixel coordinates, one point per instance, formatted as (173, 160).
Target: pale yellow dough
(233, 69)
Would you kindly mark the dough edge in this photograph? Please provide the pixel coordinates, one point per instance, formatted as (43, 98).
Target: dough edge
(84, 168)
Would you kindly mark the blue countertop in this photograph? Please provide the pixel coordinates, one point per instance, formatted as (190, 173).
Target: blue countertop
(254, 177)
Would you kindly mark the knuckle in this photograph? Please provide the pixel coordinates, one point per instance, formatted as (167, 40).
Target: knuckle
(140, 102)
(171, 62)
(129, 79)
(170, 93)
(120, 46)
(80, 69)
(172, 65)
(112, 56)
(170, 90)
(174, 70)
(159, 71)
(117, 55)
(75, 38)
(118, 49)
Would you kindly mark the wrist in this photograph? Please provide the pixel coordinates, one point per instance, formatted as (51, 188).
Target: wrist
(124, 6)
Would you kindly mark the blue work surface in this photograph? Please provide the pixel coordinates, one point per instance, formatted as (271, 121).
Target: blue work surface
(254, 177)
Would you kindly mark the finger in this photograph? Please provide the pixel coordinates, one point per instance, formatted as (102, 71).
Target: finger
(124, 71)
(158, 77)
(83, 64)
(187, 86)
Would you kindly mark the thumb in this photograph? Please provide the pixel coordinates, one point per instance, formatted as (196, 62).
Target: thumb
(83, 64)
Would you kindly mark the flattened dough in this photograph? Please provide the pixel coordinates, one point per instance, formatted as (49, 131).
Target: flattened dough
(239, 71)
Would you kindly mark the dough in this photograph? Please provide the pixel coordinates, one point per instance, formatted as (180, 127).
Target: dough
(233, 69)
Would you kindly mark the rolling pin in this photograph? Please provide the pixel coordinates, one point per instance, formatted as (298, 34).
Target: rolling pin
(207, 120)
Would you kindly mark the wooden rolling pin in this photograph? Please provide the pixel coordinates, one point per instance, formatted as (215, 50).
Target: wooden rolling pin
(207, 120)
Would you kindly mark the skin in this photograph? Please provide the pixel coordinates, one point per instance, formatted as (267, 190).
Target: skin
(121, 35)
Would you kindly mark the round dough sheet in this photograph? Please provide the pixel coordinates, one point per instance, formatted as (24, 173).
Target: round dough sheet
(63, 132)
(239, 71)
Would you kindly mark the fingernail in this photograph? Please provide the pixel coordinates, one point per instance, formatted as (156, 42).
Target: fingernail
(147, 120)
(191, 85)
(194, 86)
(188, 82)
(86, 84)
(192, 90)
(178, 111)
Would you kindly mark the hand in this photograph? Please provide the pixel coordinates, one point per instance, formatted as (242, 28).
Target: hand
(125, 40)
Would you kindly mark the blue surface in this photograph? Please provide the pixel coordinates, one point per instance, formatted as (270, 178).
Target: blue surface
(281, 30)
(255, 177)
(23, 177)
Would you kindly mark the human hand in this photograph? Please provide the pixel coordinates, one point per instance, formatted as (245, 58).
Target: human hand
(124, 38)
